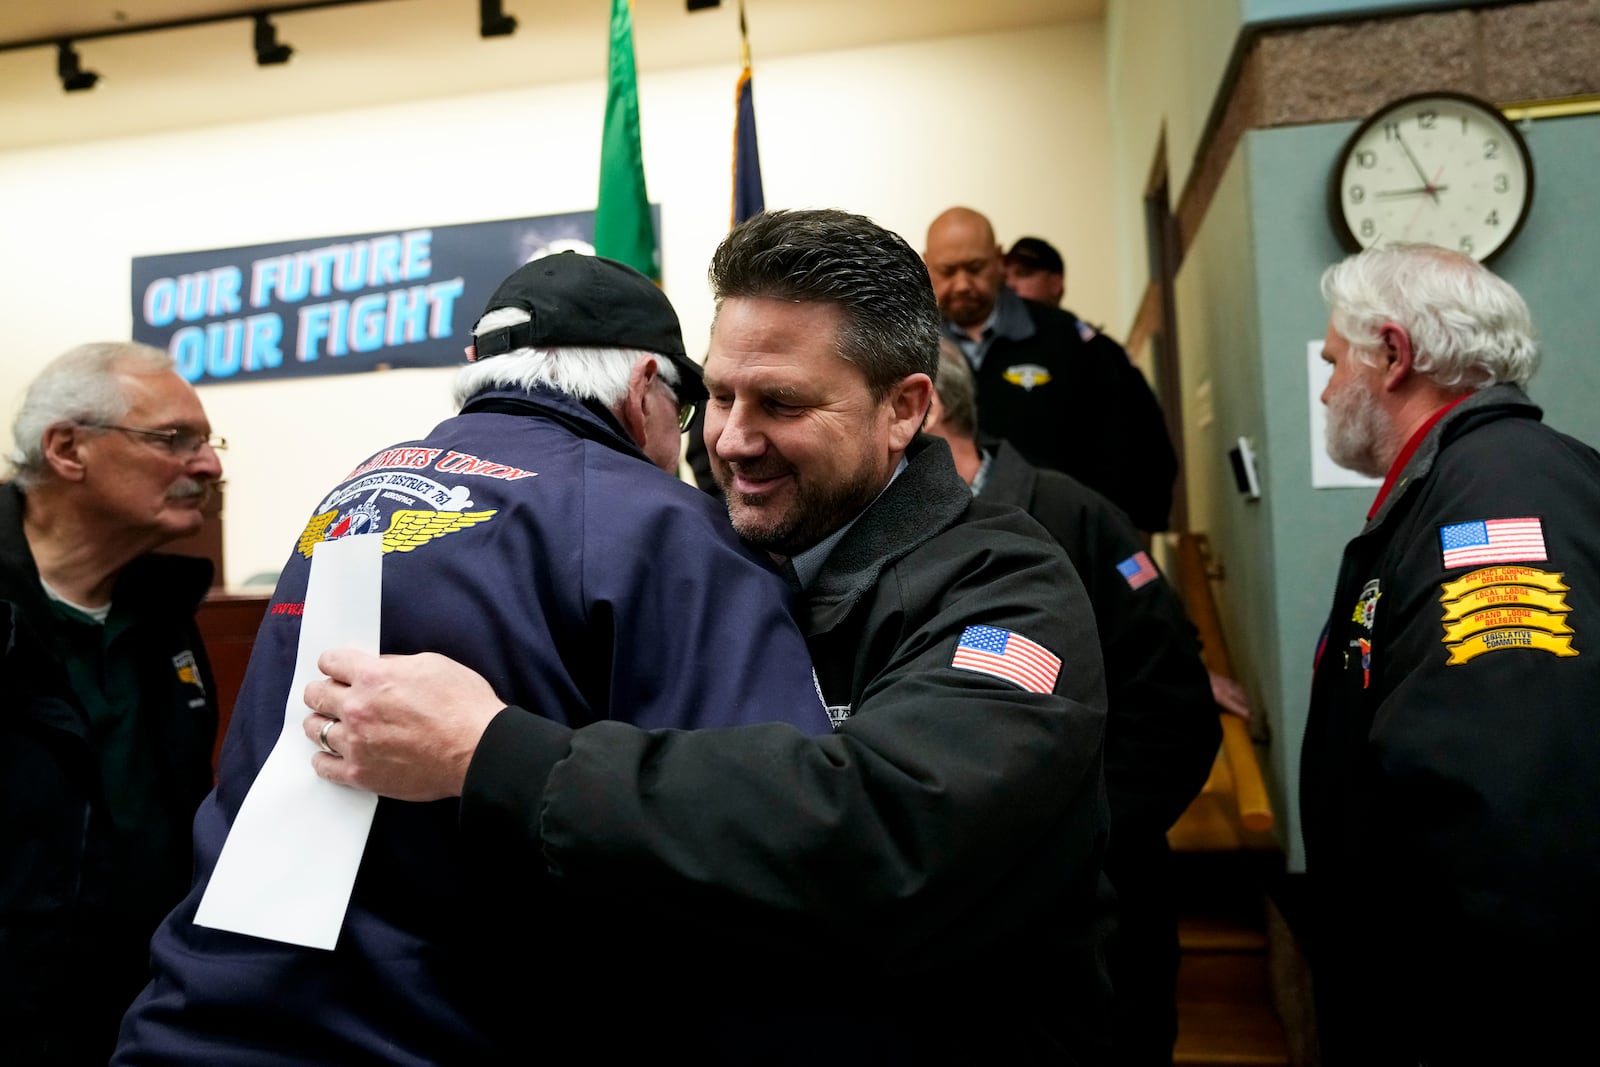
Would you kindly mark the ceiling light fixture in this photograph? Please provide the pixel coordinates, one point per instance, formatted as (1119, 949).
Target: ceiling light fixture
(269, 50)
(73, 77)
(493, 20)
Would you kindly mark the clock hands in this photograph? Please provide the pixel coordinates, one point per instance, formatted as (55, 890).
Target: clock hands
(1427, 186)
(1429, 190)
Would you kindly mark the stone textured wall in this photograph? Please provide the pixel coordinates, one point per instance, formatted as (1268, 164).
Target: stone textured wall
(1515, 53)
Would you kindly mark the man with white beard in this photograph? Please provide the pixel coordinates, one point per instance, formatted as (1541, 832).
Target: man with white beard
(1449, 788)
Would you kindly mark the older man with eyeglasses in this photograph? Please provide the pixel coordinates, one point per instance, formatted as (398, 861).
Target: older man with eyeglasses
(107, 720)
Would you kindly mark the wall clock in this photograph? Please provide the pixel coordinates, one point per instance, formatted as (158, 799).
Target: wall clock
(1437, 168)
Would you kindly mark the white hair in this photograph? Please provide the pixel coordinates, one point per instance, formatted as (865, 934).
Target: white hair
(1467, 326)
(597, 374)
(81, 385)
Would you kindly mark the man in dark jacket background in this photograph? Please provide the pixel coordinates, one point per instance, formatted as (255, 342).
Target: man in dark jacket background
(1161, 722)
(1064, 394)
(107, 720)
(1450, 775)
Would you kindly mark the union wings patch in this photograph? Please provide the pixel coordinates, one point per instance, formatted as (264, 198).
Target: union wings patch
(354, 509)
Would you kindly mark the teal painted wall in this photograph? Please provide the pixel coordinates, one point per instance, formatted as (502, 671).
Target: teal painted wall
(1276, 10)
(1282, 552)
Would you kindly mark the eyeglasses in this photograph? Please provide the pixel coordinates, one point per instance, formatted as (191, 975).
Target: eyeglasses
(177, 441)
(685, 411)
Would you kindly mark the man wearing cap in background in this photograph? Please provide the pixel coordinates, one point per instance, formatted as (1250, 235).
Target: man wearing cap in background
(537, 537)
(1035, 271)
(1064, 394)
(108, 718)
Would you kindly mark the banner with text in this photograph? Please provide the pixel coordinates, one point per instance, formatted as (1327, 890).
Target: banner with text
(336, 305)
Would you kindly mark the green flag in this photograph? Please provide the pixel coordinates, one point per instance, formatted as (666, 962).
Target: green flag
(622, 227)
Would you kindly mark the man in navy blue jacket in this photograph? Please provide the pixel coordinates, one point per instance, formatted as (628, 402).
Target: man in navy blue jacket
(536, 536)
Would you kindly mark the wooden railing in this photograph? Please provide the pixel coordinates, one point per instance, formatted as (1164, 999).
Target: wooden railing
(1233, 809)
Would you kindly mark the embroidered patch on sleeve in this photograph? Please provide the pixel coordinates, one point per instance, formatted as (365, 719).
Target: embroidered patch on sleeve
(1027, 375)
(1473, 544)
(1008, 655)
(1138, 571)
(1497, 608)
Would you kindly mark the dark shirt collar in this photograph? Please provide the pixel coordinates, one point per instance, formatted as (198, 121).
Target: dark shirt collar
(1008, 319)
(809, 563)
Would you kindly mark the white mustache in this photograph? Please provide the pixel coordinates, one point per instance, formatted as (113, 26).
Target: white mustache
(184, 488)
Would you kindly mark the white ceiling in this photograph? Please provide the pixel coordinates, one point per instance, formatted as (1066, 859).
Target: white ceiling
(386, 51)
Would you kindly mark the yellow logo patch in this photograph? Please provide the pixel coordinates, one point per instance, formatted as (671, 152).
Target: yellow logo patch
(1027, 375)
(188, 671)
(407, 529)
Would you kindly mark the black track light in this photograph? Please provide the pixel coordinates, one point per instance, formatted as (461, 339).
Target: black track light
(493, 20)
(73, 77)
(268, 49)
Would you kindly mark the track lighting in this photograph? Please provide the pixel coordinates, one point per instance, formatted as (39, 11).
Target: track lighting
(493, 20)
(73, 77)
(268, 49)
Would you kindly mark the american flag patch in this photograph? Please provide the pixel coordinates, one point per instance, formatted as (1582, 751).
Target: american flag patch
(1473, 544)
(1138, 571)
(991, 650)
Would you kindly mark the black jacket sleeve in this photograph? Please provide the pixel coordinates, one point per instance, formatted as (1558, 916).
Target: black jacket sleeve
(1162, 732)
(951, 809)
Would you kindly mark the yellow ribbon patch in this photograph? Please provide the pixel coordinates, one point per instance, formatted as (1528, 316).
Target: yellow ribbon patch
(1495, 640)
(1486, 576)
(1502, 596)
(1491, 618)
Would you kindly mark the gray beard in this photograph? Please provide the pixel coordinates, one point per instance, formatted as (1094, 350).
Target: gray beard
(1355, 431)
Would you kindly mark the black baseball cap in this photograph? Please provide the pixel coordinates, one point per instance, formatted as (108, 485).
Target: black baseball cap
(1035, 253)
(580, 301)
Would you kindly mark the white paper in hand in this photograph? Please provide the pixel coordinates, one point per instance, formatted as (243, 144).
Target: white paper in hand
(290, 860)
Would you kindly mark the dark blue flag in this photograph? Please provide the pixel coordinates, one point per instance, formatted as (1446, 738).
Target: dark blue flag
(747, 196)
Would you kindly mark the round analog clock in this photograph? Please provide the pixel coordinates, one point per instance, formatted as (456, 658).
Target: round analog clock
(1437, 168)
